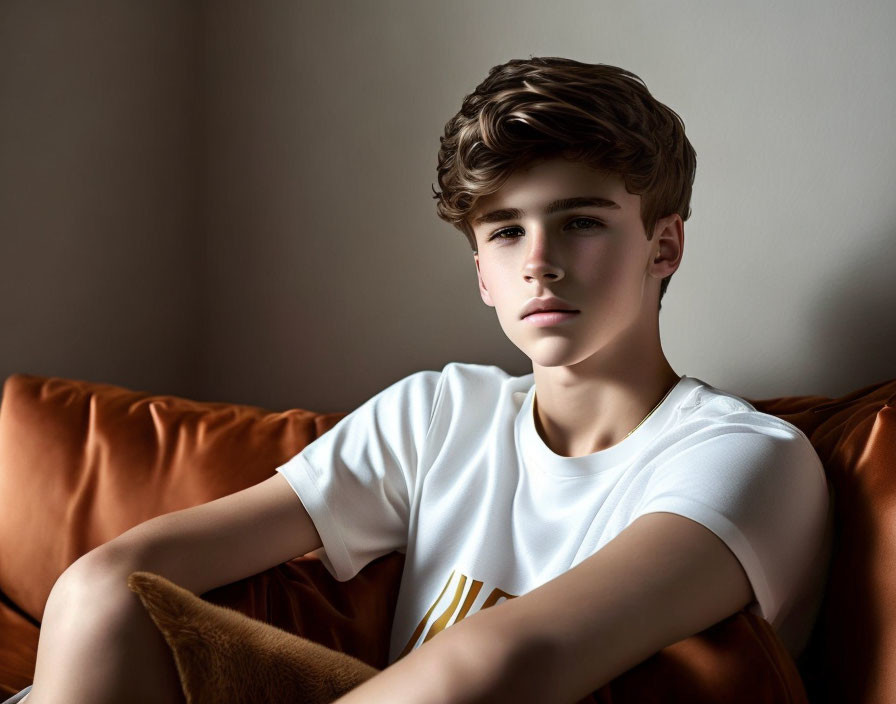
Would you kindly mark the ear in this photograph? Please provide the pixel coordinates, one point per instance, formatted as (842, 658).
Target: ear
(667, 245)
(483, 292)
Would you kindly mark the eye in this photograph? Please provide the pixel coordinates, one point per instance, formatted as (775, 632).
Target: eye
(504, 234)
(589, 222)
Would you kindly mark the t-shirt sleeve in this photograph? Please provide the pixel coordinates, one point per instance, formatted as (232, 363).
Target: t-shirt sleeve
(765, 494)
(357, 480)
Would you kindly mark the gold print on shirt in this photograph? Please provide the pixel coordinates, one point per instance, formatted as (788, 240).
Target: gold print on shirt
(451, 608)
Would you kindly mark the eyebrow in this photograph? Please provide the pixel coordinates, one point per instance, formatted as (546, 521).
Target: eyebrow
(505, 214)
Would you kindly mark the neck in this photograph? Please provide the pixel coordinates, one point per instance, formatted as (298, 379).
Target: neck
(578, 415)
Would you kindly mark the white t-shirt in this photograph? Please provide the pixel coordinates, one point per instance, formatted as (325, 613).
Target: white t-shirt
(448, 468)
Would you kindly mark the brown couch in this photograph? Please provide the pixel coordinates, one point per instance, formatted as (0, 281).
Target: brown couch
(82, 462)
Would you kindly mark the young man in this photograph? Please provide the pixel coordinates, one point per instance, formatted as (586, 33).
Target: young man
(559, 527)
(563, 526)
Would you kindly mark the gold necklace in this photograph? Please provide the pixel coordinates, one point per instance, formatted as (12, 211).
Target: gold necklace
(654, 408)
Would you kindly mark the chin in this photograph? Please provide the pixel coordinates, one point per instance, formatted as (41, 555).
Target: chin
(554, 358)
(547, 364)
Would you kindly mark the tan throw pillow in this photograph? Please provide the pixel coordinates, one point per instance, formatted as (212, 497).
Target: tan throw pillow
(223, 655)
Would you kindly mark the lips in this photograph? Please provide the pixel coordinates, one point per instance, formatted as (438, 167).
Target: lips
(549, 319)
(551, 310)
(546, 305)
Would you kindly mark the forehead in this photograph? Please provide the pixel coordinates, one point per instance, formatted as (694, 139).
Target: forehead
(532, 188)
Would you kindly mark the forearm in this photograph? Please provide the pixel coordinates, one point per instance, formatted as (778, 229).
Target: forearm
(464, 664)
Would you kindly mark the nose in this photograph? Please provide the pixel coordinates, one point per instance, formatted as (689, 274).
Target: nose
(540, 262)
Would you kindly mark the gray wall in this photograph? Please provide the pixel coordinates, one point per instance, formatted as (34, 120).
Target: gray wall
(232, 201)
(100, 273)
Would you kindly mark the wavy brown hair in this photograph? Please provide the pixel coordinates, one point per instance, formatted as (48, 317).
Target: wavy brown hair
(541, 107)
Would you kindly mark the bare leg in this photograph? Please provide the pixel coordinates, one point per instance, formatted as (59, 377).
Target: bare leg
(98, 645)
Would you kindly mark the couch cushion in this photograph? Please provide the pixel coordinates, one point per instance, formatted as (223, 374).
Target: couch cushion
(18, 650)
(82, 462)
(851, 655)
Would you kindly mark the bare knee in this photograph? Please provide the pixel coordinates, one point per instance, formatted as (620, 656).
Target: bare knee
(97, 643)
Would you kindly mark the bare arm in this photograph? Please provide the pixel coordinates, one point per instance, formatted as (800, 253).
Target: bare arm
(662, 579)
(219, 542)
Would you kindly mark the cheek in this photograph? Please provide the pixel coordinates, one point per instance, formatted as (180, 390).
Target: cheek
(492, 275)
(606, 279)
